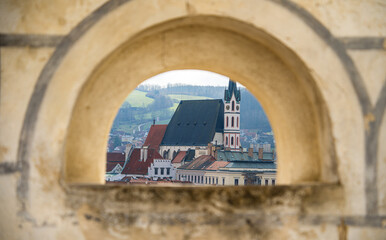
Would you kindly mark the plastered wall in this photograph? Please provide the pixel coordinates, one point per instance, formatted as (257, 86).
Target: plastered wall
(318, 68)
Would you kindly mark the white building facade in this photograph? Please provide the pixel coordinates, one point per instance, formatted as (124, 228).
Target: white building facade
(232, 117)
(162, 168)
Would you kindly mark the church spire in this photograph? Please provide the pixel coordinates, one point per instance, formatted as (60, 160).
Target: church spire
(232, 98)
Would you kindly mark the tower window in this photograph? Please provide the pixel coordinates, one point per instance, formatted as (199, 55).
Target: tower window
(233, 122)
(237, 121)
(227, 121)
(226, 140)
(231, 140)
(233, 105)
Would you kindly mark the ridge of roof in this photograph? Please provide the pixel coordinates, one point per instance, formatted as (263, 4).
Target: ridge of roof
(155, 136)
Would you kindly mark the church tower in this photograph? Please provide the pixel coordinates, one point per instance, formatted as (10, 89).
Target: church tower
(232, 99)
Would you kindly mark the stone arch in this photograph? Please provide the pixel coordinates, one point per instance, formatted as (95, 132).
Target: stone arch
(254, 34)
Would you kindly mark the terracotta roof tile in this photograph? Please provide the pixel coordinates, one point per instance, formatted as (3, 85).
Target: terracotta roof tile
(155, 135)
(114, 158)
(199, 163)
(180, 156)
(135, 166)
(217, 164)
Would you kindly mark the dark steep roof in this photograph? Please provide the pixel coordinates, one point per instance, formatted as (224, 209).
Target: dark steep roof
(232, 88)
(194, 123)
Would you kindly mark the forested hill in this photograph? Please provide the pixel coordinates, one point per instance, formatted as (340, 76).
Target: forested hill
(252, 114)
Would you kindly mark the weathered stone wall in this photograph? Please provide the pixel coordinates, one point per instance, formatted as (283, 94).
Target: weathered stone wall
(317, 67)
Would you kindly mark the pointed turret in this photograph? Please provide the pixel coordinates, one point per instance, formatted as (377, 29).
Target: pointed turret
(232, 98)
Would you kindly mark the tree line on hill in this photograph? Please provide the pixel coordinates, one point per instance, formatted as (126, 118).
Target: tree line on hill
(252, 114)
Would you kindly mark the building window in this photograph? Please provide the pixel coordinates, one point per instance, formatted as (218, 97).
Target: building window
(233, 105)
(236, 182)
(226, 141)
(167, 171)
(237, 120)
(195, 179)
(231, 141)
(223, 181)
(206, 180)
(202, 179)
(156, 171)
(266, 182)
(273, 181)
(237, 140)
(162, 171)
(227, 121)
(216, 180)
(233, 122)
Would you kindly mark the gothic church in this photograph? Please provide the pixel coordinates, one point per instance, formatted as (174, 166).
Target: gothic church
(197, 123)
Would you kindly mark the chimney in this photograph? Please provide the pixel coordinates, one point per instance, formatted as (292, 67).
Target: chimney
(210, 149)
(145, 151)
(260, 153)
(250, 152)
(128, 150)
(196, 152)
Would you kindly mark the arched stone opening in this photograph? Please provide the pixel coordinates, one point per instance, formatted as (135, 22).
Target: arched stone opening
(271, 71)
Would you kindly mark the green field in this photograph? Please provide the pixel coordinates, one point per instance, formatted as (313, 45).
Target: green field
(187, 97)
(138, 99)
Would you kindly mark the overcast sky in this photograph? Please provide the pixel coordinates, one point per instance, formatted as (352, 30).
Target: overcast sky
(188, 77)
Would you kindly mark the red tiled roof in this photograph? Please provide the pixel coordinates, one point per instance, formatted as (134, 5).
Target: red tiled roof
(199, 163)
(217, 164)
(114, 158)
(135, 166)
(179, 157)
(155, 135)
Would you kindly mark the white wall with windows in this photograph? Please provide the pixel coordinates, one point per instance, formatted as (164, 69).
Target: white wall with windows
(162, 168)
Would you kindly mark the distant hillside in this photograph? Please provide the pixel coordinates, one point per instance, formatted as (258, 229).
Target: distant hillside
(138, 99)
(152, 102)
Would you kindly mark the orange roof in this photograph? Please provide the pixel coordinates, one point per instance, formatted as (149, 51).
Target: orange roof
(155, 135)
(217, 164)
(199, 163)
(179, 157)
